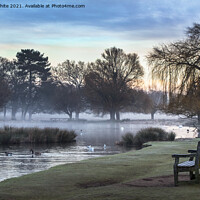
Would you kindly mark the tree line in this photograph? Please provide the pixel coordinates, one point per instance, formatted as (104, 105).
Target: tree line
(111, 84)
(29, 84)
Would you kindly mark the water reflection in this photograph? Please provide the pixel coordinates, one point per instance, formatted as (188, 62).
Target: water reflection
(95, 134)
(21, 162)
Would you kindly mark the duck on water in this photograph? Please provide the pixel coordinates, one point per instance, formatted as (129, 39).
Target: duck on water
(8, 153)
(35, 153)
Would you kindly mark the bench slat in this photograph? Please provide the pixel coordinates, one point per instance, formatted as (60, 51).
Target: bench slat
(187, 164)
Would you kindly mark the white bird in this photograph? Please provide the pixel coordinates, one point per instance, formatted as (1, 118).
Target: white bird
(104, 146)
(90, 148)
(122, 128)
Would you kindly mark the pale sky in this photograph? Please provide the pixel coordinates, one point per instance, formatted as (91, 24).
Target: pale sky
(83, 33)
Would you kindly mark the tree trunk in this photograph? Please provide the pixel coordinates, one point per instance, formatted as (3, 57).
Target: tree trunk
(117, 115)
(153, 111)
(70, 115)
(4, 112)
(198, 115)
(152, 115)
(13, 113)
(30, 116)
(30, 87)
(77, 115)
(23, 117)
(112, 115)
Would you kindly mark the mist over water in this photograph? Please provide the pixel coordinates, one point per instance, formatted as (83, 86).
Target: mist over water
(94, 132)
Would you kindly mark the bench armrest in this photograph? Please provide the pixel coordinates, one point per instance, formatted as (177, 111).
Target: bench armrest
(183, 155)
(177, 156)
(192, 151)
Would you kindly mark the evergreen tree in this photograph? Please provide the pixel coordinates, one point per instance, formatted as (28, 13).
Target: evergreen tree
(33, 70)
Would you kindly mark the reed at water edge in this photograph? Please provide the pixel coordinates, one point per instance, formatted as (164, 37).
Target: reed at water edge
(13, 135)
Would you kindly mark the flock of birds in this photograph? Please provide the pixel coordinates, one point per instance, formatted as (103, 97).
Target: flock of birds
(33, 153)
(37, 153)
(90, 148)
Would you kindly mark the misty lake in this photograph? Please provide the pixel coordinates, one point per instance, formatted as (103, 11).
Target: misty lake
(95, 134)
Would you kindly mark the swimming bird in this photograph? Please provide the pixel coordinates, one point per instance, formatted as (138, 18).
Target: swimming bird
(8, 153)
(90, 148)
(81, 133)
(35, 153)
(122, 128)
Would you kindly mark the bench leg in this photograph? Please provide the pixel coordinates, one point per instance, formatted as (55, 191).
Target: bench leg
(175, 176)
(197, 175)
(192, 176)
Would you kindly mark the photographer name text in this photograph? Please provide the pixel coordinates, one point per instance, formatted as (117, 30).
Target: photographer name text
(40, 6)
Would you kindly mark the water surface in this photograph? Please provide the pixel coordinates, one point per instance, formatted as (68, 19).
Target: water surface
(89, 133)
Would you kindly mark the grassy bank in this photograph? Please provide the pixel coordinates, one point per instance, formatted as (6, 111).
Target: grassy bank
(11, 135)
(105, 178)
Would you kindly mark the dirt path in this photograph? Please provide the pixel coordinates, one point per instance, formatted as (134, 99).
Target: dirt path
(162, 181)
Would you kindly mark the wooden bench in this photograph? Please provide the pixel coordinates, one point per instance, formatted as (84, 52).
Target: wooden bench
(192, 165)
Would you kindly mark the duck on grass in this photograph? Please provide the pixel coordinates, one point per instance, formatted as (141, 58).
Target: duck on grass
(146, 135)
(12, 135)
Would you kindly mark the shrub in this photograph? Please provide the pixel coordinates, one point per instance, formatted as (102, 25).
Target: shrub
(128, 139)
(64, 137)
(10, 135)
(5, 138)
(171, 136)
(146, 135)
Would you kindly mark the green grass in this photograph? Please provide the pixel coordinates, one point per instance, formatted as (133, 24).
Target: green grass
(103, 178)
(11, 135)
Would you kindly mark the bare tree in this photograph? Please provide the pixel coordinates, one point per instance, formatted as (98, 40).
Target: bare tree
(70, 74)
(140, 102)
(65, 100)
(158, 101)
(110, 79)
(187, 104)
(9, 77)
(4, 93)
(177, 65)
